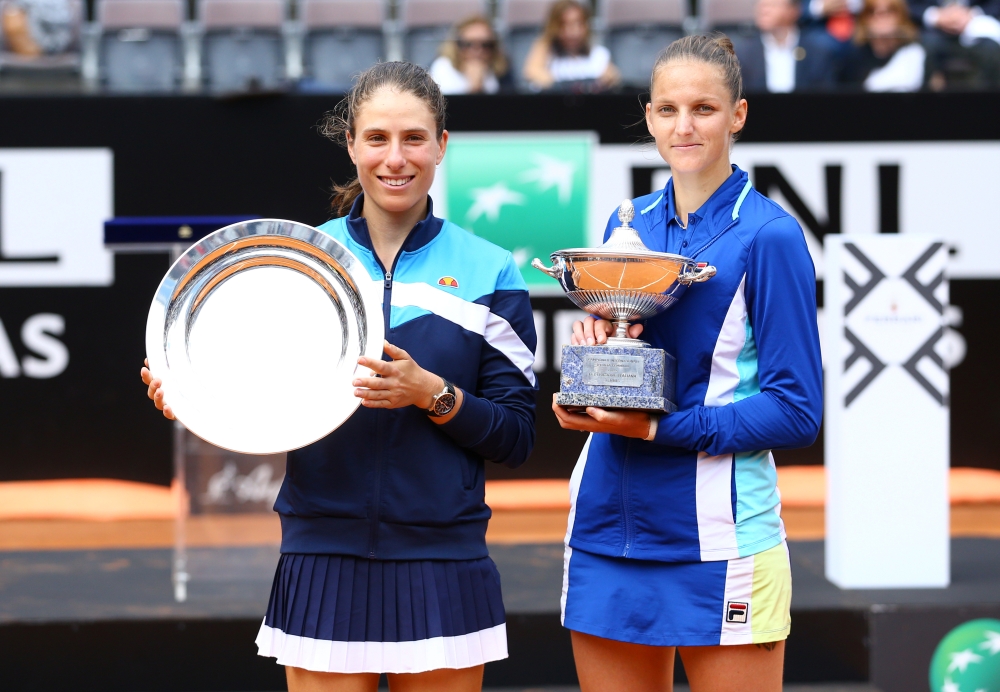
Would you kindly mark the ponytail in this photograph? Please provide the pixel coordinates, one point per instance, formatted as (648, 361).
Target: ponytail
(344, 196)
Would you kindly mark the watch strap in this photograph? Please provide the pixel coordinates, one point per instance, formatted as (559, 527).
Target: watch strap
(448, 391)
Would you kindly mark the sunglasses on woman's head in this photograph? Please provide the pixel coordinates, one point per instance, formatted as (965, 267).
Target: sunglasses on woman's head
(485, 45)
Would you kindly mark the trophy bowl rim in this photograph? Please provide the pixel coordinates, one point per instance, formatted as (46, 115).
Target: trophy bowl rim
(598, 253)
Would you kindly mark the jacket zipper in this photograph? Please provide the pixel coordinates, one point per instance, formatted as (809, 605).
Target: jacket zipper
(626, 508)
(380, 414)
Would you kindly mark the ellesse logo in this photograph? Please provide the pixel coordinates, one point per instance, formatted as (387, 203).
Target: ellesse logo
(449, 281)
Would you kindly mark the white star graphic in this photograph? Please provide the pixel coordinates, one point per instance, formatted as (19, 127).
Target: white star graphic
(992, 643)
(521, 255)
(549, 172)
(489, 200)
(950, 686)
(962, 659)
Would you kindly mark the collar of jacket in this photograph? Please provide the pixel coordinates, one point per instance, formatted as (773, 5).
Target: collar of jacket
(424, 232)
(720, 210)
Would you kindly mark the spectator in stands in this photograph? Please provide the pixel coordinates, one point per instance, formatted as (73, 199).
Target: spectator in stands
(887, 55)
(781, 57)
(38, 27)
(564, 56)
(472, 60)
(962, 39)
(836, 17)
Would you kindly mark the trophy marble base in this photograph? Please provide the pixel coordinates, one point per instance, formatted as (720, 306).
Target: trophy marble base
(623, 377)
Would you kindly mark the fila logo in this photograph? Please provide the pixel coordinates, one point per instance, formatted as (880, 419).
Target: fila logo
(736, 611)
(449, 281)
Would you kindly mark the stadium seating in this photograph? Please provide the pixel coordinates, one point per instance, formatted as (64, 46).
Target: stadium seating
(69, 60)
(426, 23)
(725, 15)
(243, 47)
(141, 48)
(520, 22)
(342, 37)
(636, 32)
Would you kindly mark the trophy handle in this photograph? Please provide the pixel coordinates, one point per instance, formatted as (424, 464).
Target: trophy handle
(701, 272)
(554, 271)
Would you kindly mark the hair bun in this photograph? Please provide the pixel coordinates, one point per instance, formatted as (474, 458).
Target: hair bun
(716, 50)
(725, 43)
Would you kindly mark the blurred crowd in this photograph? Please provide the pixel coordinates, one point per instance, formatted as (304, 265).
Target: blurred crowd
(492, 46)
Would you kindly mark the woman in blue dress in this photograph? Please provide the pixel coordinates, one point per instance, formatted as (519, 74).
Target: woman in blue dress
(384, 566)
(675, 539)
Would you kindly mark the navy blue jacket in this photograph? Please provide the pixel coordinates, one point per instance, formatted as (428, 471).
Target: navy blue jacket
(391, 484)
(816, 71)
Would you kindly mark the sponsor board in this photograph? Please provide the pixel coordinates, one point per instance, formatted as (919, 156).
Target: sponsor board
(539, 192)
(528, 193)
(943, 189)
(53, 205)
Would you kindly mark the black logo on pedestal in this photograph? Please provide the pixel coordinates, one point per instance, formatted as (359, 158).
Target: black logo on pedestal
(860, 350)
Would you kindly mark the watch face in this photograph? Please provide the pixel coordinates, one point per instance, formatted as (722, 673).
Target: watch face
(444, 404)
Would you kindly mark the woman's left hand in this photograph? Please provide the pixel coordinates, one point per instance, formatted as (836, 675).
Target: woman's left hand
(610, 78)
(401, 382)
(600, 420)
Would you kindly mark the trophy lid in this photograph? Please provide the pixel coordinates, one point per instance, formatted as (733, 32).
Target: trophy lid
(624, 242)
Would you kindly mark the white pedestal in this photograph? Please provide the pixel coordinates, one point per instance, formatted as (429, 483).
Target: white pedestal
(887, 415)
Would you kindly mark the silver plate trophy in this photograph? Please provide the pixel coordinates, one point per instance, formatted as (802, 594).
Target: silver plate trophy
(621, 281)
(256, 332)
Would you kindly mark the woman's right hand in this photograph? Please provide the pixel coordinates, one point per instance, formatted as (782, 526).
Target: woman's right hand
(476, 72)
(592, 331)
(154, 390)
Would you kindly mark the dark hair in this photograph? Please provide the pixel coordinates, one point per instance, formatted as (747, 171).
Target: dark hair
(401, 77)
(553, 22)
(449, 48)
(715, 50)
(906, 33)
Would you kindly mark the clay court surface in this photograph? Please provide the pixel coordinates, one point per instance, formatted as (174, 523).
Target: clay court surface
(96, 513)
(85, 561)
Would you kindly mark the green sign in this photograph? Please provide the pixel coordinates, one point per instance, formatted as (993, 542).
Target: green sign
(526, 193)
(968, 659)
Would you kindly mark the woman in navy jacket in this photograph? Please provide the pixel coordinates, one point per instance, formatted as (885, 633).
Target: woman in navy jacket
(384, 566)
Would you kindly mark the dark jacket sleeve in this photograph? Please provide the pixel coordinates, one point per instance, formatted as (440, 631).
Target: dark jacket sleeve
(917, 9)
(750, 52)
(781, 302)
(990, 7)
(818, 69)
(497, 421)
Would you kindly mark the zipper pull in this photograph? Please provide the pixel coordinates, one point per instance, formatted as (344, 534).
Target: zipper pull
(388, 280)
